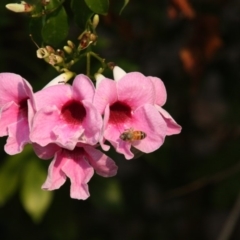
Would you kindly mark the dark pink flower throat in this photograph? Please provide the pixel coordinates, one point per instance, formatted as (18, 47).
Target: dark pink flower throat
(73, 112)
(119, 113)
(23, 106)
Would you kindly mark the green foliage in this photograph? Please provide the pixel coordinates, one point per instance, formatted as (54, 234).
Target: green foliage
(124, 5)
(25, 171)
(109, 196)
(98, 6)
(34, 199)
(55, 29)
(34, 25)
(9, 177)
(81, 13)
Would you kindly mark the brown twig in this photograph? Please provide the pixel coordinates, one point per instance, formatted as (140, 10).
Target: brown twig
(202, 182)
(231, 221)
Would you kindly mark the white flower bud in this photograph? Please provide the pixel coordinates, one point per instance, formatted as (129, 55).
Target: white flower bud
(67, 49)
(95, 20)
(70, 44)
(118, 73)
(19, 7)
(99, 77)
(61, 79)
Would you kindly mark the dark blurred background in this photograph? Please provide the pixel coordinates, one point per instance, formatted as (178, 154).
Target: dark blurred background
(187, 190)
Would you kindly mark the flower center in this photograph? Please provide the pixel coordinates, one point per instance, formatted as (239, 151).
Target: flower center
(75, 153)
(119, 113)
(23, 107)
(73, 112)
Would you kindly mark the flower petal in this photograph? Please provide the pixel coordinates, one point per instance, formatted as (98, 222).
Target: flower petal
(124, 148)
(55, 130)
(56, 177)
(135, 90)
(13, 88)
(106, 93)
(79, 171)
(104, 146)
(9, 114)
(18, 137)
(46, 152)
(172, 126)
(83, 88)
(92, 124)
(148, 120)
(160, 91)
(102, 164)
(55, 95)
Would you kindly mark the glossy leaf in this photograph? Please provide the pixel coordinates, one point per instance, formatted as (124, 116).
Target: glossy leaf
(35, 200)
(35, 25)
(55, 29)
(98, 6)
(53, 5)
(37, 10)
(81, 13)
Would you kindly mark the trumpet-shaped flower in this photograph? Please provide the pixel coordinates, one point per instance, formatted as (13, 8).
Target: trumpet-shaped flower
(77, 164)
(130, 102)
(15, 97)
(160, 99)
(65, 115)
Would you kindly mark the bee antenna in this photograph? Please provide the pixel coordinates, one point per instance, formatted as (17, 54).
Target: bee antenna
(30, 35)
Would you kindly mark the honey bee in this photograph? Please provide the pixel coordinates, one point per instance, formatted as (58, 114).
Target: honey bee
(130, 135)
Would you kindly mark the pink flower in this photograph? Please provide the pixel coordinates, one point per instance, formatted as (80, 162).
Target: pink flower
(78, 165)
(129, 103)
(15, 98)
(160, 100)
(65, 115)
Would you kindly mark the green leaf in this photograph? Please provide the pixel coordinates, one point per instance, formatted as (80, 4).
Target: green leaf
(35, 25)
(81, 13)
(35, 200)
(55, 29)
(9, 178)
(53, 5)
(98, 6)
(108, 196)
(37, 10)
(10, 173)
(124, 5)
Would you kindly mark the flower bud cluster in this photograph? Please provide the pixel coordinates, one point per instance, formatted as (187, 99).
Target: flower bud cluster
(57, 58)
(85, 39)
(69, 123)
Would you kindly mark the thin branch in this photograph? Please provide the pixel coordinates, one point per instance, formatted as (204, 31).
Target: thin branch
(231, 221)
(88, 64)
(202, 182)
